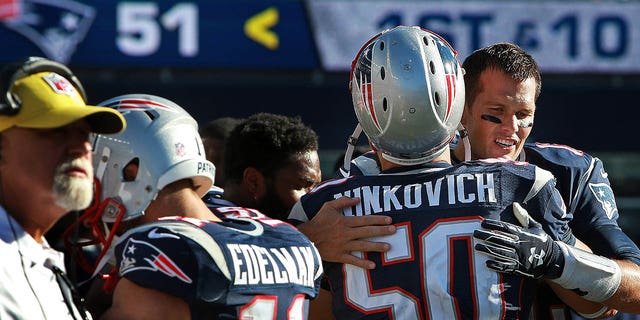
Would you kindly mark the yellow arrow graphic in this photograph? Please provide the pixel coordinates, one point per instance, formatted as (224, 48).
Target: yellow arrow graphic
(257, 27)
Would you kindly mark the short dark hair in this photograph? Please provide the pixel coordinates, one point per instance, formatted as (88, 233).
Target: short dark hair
(219, 128)
(266, 142)
(506, 57)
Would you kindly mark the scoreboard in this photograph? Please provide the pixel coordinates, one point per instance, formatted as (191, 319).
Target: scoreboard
(564, 37)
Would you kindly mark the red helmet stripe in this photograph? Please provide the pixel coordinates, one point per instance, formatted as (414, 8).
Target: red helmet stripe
(367, 97)
(140, 104)
(366, 92)
(451, 93)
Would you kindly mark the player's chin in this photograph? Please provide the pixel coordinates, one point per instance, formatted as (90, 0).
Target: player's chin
(504, 151)
(501, 154)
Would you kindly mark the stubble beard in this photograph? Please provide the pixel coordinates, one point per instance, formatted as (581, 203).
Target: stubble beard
(73, 192)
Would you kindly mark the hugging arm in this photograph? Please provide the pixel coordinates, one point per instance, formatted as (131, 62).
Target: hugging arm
(336, 235)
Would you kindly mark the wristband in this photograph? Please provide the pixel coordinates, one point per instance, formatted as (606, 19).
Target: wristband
(591, 276)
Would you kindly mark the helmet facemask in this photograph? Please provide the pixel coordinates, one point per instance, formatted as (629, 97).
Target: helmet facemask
(86, 237)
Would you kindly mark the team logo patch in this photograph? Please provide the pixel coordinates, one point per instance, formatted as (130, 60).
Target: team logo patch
(450, 71)
(60, 84)
(604, 195)
(153, 259)
(56, 27)
(362, 81)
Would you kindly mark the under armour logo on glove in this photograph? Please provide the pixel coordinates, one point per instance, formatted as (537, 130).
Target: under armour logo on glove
(535, 256)
(516, 250)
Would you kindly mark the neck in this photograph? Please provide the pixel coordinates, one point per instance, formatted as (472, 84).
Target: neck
(178, 199)
(386, 164)
(458, 152)
(237, 193)
(36, 215)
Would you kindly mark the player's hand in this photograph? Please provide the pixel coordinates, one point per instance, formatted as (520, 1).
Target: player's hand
(526, 250)
(336, 235)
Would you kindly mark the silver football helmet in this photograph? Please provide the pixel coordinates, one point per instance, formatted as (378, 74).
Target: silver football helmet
(408, 94)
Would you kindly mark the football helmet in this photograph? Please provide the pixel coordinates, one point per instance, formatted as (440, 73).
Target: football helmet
(407, 88)
(162, 141)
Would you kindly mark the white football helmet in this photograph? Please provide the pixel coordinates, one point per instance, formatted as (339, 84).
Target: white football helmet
(163, 140)
(407, 87)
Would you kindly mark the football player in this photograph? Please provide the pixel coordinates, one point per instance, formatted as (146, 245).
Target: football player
(174, 258)
(408, 96)
(503, 83)
(271, 161)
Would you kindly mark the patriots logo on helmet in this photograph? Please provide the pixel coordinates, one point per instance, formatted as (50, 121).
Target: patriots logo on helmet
(56, 27)
(604, 195)
(451, 71)
(362, 79)
(152, 259)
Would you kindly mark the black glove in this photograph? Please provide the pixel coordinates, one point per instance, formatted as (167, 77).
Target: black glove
(515, 250)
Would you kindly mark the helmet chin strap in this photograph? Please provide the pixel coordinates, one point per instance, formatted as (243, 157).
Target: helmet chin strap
(464, 136)
(351, 145)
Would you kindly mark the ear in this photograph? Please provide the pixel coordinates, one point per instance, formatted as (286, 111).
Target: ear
(253, 181)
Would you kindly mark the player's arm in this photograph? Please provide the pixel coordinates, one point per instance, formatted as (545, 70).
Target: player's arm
(131, 301)
(625, 298)
(336, 235)
(585, 308)
(596, 215)
(530, 252)
(595, 223)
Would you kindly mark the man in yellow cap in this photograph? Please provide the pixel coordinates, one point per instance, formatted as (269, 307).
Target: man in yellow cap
(45, 172)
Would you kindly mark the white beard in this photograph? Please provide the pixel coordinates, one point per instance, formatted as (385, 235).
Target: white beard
(73, 193)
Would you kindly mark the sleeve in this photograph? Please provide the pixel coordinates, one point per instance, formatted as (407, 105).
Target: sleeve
(546, 206)
(159, 258)
(610, 241)
(595, 205)
(596, 218)
(309, 205)
(555, 215)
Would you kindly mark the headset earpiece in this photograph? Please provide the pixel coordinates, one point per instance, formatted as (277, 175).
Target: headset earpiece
(10, 104)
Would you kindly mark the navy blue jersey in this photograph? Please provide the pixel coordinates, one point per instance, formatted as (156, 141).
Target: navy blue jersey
(432, 270)
(584, 186)
(585, 189)
(245, 267)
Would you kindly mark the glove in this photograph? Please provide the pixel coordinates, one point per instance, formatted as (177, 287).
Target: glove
(526, 250)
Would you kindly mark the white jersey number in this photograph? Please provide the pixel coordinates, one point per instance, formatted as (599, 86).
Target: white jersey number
(436, 279)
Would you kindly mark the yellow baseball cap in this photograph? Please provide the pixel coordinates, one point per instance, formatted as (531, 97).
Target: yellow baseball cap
(49, 100)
